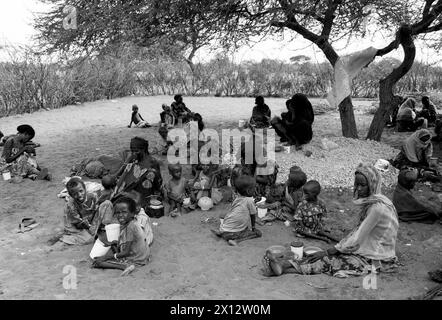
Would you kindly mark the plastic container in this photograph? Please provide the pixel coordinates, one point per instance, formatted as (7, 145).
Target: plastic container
(287, 149)
(6, 175)
(112, 231)
(261, 212)
(241, 123)
(98, 250)
(298, 249)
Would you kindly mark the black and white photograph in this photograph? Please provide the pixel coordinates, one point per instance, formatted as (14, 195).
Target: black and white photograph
(221, 155)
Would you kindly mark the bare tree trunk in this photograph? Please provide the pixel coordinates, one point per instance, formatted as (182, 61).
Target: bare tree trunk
(348, 121)
(387, 100)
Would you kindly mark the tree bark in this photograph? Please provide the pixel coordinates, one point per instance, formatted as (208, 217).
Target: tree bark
(387, 100)
(348, 121)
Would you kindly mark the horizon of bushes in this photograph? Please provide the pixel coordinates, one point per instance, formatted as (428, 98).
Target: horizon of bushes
(29, 83)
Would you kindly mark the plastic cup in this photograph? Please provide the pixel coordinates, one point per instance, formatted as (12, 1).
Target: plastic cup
(287, 149)
(262, 213)
(112, 232)
(6, 175)
(298, 249)
(98, 250)
(241, 123)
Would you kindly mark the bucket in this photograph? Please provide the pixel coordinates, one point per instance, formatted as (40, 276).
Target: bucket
(98, 250)
(6, 175)
(287, 149)
(262, 213)
(241, 123)
(298, 249)
(112, 232)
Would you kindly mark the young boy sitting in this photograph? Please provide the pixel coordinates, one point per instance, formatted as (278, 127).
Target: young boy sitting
(137, 119)
(167, 116)
(79, 213)
(242, 214)
(310, 213)
(175, 190)
(131, 249)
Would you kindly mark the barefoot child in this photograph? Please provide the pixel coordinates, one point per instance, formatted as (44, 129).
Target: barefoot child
(310, 213)
(131, 249)
(79, 213)
(242, 213)
(175, 190)
(137, 119)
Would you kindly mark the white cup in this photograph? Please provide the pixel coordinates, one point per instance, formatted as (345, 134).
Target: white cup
(287, 149)
(262, 212)
(6, 175)
(241, 123)
(298, 249)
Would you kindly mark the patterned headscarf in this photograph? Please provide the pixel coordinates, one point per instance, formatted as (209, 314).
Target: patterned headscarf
(413, 145)
(374, 180)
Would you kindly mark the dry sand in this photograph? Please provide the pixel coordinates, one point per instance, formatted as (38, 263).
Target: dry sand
(187, 261)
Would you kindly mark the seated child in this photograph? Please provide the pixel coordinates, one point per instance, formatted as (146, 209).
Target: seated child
(175, 190)
(266, 176)
(137, 119)
(242, 213)
(132, 248)
(108, 182)
(204, 185)
(79, 213)
(310, 213)
(167, 116)
(283, 199)
(407, 206)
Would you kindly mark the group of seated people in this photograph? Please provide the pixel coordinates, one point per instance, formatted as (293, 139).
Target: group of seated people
(294, 127)
(407, 118)
(296, 202)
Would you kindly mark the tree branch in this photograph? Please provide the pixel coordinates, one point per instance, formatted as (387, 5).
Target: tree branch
(329, 18)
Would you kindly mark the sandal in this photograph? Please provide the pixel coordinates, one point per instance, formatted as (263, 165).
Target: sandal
(27, 224)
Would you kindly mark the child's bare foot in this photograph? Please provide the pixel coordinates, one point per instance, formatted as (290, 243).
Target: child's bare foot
(232, 243)
(127, 271)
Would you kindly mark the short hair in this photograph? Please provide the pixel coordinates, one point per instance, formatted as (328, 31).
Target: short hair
(26, 129)
(177, 96)
(131, 204)
(313, 185)
(108, 181)
(245, 185)
(73, 182)
(134, 107)
(296, 179)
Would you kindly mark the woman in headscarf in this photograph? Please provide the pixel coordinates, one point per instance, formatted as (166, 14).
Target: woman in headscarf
(371, 244)
(416, 151)
(261, 114)
(428, 111)
(296, 127)
(407, 118)
(407, 206)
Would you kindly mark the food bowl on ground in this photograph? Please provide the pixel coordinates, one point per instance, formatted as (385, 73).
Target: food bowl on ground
(205, 203)
(277, 250)
(311, 249)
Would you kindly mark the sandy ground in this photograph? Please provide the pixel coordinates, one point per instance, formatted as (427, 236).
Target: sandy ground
(187, 261)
